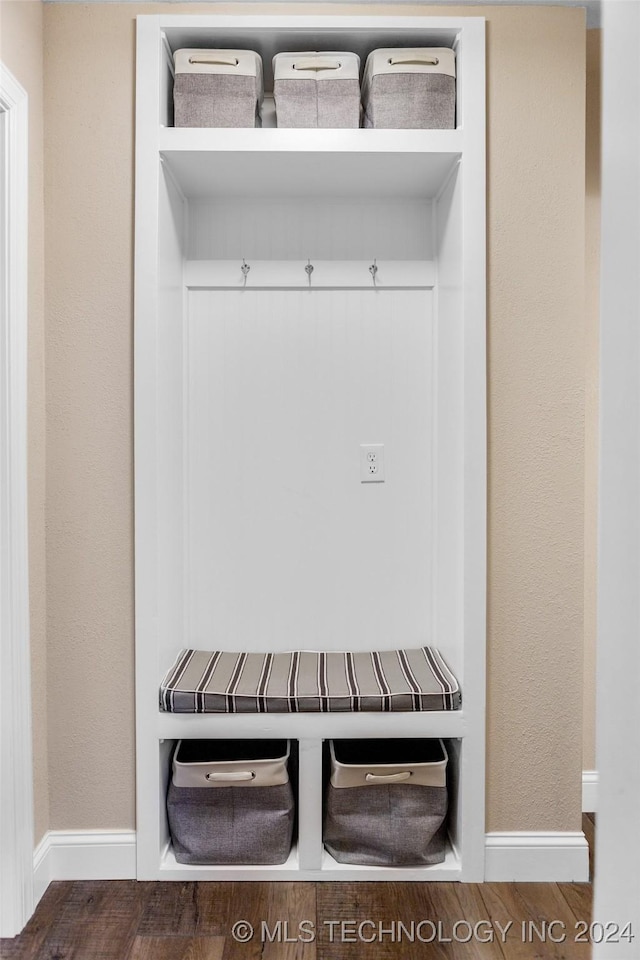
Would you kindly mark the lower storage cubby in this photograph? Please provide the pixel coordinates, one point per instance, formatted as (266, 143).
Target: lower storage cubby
(386, 802)
(232, 802)
(369, 809)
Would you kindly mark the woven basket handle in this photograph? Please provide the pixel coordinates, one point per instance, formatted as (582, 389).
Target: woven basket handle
(415, 61)
(317, 63)
(387, 777)
(216, 61)
(240, 775)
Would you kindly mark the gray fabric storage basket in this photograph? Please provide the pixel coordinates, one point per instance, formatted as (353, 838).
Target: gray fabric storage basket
(386, 802)
(317, 89)
(231, 801)
(410, 88)
(217, 88)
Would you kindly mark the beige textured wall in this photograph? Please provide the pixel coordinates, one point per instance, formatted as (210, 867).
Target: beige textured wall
(536, 432)
(592, 335)
(21, 24)
(536, 370)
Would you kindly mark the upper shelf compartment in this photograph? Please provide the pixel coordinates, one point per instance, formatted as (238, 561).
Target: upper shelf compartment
(271, 35)
(248, 162)
(310, 163)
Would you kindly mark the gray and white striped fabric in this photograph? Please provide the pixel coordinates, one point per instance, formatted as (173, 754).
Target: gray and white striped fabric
(302, 681)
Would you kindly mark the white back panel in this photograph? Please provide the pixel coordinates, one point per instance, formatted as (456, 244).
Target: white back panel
(266, 229)
(285, 546)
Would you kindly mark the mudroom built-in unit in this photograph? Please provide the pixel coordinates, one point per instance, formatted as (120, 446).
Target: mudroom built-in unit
(304, 297)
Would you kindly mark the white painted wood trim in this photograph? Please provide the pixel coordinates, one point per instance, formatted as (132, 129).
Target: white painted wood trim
(558, 857)
(337, 24)
(589, 791)
(110, 855)
(152, 141)
(84, 855)
(16, 798)
(290, 140)
(472, 774)
(617, 881)
(592, 6)
(264, 274)
(310, 809)
(309, 726)
(148, 66)
(41, 868)
(328, 870)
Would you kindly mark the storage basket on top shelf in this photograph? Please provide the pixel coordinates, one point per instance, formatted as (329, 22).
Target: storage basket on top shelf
(217, 88)
(317, 89)
(231, 802)
(410, 88)
(386, 802)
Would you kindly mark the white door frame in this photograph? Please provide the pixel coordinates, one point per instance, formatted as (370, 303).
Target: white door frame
(617, 877)
(16, 774)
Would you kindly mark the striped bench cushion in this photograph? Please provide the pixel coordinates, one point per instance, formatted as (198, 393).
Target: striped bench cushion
(308, 681)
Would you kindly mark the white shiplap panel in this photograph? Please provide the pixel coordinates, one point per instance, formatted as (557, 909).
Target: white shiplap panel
(286, 547)
(266, 229)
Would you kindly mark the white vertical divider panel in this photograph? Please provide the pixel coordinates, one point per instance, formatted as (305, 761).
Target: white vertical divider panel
(16, 755)
(149, 73)
(448, 466)
(170, 402)
(167, 73)
(616, 902)
(471, 60)
(449, 547)
(310, 804)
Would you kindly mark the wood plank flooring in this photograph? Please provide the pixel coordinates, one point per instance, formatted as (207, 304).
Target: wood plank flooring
(126, 920)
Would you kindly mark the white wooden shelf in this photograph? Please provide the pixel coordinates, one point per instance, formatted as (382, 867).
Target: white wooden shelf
(330, 870)
(330, 726)
(283, 140)
(308, 163)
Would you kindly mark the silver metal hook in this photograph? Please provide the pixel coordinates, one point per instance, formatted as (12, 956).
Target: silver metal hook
(309, 270)
(245, 271)
(373, 270)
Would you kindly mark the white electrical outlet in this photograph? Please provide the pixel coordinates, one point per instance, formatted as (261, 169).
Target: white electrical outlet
(372, 463)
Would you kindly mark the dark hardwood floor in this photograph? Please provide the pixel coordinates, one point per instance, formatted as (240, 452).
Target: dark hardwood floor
(125, 920)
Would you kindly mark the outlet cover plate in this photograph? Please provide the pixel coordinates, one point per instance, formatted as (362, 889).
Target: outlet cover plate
(372, 463)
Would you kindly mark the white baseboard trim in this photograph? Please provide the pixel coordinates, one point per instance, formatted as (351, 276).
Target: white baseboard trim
(537, 857)
(589, 791)
(41, 869)
(84, 855)
(111, 855)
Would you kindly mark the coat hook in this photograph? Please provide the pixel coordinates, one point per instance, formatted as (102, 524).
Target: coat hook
(373, 270)
(309, 270)
(245, 271)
